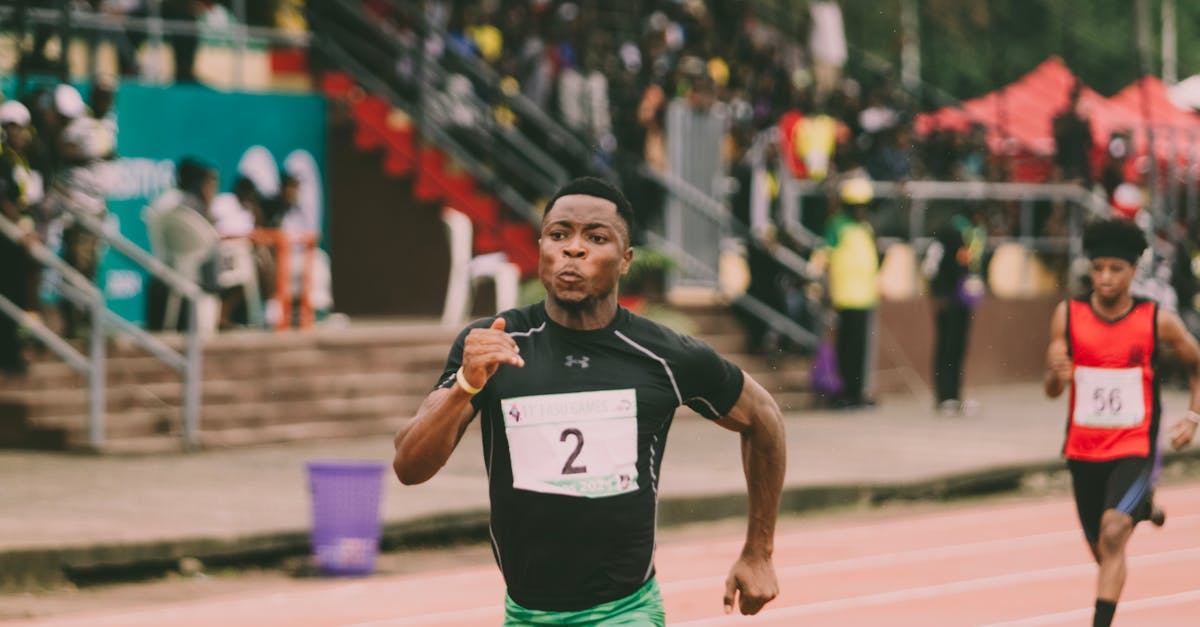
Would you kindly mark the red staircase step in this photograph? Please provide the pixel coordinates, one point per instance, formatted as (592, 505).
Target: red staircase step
(488, 239)
(370, 114)
(400, 153)
(460, 185)
(483, 210)
(336, 84)
(520, 242)
(430, 184)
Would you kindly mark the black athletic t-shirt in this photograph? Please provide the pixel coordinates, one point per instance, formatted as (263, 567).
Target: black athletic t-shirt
(573, 444)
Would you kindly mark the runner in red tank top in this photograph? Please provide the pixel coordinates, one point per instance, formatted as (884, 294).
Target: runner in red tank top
(1104, 347)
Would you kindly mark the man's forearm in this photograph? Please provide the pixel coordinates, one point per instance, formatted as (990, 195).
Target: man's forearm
(764, 460)
(426, 442)
(1052, 384)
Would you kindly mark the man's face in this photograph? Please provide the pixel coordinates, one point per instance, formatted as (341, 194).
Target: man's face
(17, 136)
(208, 191)
(584, 246)
(1111, 278)
(291, 193)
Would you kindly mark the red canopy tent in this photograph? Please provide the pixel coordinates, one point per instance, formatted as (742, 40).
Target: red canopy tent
(1019, 117)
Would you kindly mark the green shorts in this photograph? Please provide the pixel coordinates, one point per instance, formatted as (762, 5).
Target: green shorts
(643, 608)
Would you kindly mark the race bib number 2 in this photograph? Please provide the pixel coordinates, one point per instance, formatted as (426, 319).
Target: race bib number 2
(581, 444)
(1109, 397)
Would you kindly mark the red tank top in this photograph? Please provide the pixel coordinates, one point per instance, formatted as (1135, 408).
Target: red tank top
(1114, 398)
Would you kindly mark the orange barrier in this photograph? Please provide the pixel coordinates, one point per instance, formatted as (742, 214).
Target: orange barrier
(281, 242)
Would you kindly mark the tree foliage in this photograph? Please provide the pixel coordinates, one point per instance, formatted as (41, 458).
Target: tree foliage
(970, 47)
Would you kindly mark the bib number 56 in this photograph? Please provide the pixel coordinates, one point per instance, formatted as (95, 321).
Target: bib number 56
(1106, 400)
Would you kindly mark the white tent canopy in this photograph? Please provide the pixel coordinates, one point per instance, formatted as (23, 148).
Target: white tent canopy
(1186, 93)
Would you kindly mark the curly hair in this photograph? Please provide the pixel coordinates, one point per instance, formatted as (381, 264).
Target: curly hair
(1117, 238)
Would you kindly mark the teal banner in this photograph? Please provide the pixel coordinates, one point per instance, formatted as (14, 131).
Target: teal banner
(240, 134)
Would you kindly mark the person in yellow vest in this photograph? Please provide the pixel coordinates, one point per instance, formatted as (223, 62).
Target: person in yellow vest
(853, 273)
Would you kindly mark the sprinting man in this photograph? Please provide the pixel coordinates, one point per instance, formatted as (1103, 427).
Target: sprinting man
(576, 395)
(1105, 347)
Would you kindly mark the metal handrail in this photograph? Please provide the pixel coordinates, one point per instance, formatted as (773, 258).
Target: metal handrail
(87, 20)
(187, 363)
(80, 291)
(751, 305)
(510, 197)
(520, 104)
(541, 170)
(922, 191)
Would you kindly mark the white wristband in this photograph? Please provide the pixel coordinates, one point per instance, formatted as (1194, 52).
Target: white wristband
(462, 382)
(1193, 417)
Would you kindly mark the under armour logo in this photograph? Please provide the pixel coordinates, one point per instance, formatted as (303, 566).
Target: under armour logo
(573, 361)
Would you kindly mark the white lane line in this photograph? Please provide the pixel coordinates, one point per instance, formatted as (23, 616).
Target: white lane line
(969, 549)
(476, 614)
(938, 590)
(1084, 613)
(871, 561)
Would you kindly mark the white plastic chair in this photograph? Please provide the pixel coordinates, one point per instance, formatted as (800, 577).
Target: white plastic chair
(237, 267)
(187, 241)
(466, 271)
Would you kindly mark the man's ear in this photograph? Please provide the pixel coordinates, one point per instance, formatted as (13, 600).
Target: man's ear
(626, 258)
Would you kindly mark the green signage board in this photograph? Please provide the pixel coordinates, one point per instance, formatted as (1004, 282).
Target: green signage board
(240, 134)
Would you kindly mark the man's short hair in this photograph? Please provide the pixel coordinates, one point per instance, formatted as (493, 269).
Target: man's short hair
(1115, 237)
(598, 188)
(190, 174)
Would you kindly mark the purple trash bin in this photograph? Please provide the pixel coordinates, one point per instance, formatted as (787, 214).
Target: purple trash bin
(345, 507)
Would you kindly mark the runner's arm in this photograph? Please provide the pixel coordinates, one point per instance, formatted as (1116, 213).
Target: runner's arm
(1058, 361)
(1179, 341)
(757, 418)
(425, 442)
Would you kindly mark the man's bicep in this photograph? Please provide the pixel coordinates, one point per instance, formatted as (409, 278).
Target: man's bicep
(752, 406)
(1177, 338)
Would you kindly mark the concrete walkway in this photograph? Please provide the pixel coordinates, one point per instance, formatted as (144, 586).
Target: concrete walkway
(62, 511)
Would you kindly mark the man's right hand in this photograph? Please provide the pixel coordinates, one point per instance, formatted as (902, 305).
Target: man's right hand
(485, 349)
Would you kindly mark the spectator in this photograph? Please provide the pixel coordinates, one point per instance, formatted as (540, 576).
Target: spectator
(277, 208)
(287, 213)
(1073, 141)
(971, 155)
(123, 41)
(583, 100)
(853, 270)
(19, 279)
(827, 43)
(24, 188)
(952, 268)
(190, 176)
(78, 188)
(894, 160)
(185, 45)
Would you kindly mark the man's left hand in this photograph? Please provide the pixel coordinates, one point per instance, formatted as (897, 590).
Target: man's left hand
(751, 584)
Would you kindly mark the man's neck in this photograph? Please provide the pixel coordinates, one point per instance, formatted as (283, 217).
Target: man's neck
(1114, 309)
(598, 316)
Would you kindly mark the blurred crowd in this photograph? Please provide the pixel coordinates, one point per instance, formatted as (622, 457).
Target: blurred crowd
(56, 171)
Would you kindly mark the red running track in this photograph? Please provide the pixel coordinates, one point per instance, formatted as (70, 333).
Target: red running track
(998, 564)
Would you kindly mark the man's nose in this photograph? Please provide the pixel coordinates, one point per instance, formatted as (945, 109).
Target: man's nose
(575, 248)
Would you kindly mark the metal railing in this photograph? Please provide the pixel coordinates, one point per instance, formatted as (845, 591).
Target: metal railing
(81, 291)
(516, 157)
(187, 363)
(69, 20)
(698, 206)
(1081, 201)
